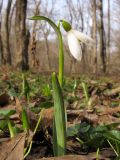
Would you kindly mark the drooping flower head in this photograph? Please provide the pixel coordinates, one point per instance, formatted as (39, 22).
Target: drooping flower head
(74, 39)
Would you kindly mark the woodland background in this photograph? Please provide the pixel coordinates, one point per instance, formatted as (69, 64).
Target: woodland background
(26, 44)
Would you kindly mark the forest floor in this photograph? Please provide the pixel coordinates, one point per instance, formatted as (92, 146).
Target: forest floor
(93, 116)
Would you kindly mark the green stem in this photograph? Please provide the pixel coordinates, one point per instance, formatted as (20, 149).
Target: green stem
(113, 148)
(29, 149)
(97, 154)
(61, 54)
(36, 127)
(11, 130)
(38, 122)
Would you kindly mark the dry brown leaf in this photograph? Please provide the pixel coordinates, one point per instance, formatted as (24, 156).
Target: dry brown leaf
(47, 117)
(111, 111)
(113, 91)
(13, 149)
(18, 106)
(76, 157)
(107, 119)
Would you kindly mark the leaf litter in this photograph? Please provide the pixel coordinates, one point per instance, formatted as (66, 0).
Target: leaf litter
(101, 110)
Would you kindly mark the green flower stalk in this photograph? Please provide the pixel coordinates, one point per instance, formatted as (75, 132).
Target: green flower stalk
(61, 54)
(59, 119)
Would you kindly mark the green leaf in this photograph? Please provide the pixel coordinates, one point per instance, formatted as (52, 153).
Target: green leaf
(46, 105)
(113, 135)
(7, 113)
(46, 91)
(25, 87)
(73, 130)
(25, 121)
(101, 128)
(59, 117)
(3, 124)
(11, 129)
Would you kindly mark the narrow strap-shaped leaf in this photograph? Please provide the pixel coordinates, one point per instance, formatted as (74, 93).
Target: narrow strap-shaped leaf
(59, 118)
(25, 121)
(11, 129)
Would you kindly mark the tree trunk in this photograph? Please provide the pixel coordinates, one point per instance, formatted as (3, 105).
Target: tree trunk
(108, 36)
(34, 61)
(21, 35)
(102, 46)
(47, 50)
(1, 44)
(94, 37)
(6, 45)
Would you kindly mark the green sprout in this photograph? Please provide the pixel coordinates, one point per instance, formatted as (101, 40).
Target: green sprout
(25, 88)
(11, 129)
(25, 121)
(86, 94)
(5, 114)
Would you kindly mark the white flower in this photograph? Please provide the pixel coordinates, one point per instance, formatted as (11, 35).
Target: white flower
(74, 39)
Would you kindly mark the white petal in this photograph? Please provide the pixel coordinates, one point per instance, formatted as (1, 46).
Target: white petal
(82, 37)
(74, 46)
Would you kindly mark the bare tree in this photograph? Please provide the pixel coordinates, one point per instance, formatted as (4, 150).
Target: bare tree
(115, 18)
(11, 16)
(32, 47)
(102, 45)
(94, 36)
(21, 35)
(6, 49)
(108, 35)
(46, 30)
(1, 44)
(76, 12)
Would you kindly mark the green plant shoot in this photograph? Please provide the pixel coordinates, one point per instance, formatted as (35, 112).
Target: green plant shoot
(11, 129)
(87, 97)
(25, 121)
(25, 88)
(59, 120)
(59, 128)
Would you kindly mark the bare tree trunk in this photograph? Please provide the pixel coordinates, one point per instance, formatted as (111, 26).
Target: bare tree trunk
(32, 48)
(11, 16)
(6, 45)
(1, 44)
(94, 37)
(108, 36)
(102, 46)
(21, 34)
(47, 50)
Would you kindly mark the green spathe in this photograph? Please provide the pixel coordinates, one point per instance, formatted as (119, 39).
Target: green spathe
(66, 25)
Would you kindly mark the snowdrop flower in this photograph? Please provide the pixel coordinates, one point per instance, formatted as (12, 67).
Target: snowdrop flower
(74, 39)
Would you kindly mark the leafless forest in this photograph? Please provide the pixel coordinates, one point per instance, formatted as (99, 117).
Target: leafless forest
(26, 44)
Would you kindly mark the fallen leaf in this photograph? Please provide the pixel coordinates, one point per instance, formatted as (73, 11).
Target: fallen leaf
(13, 149)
